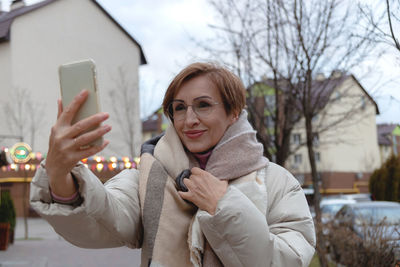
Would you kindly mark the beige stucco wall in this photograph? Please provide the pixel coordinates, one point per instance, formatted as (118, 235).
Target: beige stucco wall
(385, 152)
(349, 146)
(65, 31)
(5, 82)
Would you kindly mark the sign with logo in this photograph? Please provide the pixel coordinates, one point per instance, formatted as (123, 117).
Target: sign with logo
(21, 153)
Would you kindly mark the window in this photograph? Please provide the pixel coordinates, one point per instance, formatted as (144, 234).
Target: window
(270, 101)
(315, 118)
(317, 156)
(297, 159)
(296, 139)
(269, 122)
(338, 96)
(363, 102)
(315, 139)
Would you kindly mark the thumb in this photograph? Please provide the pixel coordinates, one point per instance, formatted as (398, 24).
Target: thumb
(184, 195)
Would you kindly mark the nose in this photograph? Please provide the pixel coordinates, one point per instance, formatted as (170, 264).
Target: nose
(191, 117)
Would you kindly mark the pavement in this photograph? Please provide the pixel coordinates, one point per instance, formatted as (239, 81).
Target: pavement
(45, 248)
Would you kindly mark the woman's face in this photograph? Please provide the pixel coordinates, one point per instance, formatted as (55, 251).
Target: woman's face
(200, 133)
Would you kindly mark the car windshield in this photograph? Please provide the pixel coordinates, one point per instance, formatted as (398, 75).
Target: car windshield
(331, 208)
(391, 215)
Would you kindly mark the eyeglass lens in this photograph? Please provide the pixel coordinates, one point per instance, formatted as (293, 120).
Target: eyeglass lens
(200, 106)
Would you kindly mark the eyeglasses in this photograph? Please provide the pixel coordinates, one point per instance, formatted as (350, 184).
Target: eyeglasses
(202, 106)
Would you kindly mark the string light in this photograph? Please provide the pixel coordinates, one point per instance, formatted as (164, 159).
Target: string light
(128, 165)
(99, 167)
(95, 163)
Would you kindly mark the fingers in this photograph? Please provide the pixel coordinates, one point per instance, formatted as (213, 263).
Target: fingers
(189, 196)
(196, 170)
(87, 138)
(60, 108)
(72, 109)
(190, 184)
(87, 124)
(185, 195)
(204, 190)
(91, 150)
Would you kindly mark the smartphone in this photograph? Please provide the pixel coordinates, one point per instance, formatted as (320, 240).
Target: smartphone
(75, 77)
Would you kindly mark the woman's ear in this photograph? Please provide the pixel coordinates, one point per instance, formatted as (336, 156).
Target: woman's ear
(234, 118)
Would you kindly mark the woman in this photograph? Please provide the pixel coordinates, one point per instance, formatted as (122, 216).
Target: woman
(203, 195)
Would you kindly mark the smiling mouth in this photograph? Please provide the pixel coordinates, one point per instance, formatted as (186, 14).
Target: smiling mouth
(193, 134)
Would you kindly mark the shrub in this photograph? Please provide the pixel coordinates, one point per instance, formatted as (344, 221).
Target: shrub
(7, 210)
(384, 183)
(349, 249)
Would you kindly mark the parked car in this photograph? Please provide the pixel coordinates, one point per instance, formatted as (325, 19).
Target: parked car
(372, 228)
(357, 197)
(330, 206)
(360, 197)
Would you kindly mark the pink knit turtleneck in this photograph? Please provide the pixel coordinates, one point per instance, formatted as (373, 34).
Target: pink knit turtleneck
(202, 158)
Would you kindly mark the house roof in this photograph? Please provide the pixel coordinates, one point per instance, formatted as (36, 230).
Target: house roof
(150, 124)
(323, 89)
(6, 19)
(327, 86)
(385, 133)
(366, 93)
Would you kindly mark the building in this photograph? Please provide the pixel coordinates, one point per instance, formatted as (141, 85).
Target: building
(345, 134)
(388, 140)
(35, 40)
(154, 125)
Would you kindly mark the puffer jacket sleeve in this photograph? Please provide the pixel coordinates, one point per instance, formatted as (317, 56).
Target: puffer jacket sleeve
(241, 235)
(109, 215)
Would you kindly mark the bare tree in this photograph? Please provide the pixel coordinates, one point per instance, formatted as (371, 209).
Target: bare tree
(123, 99)
(246, 43)
(393, 14)
(384, 17)
(324, 40)
(24, 117)
(292, 42)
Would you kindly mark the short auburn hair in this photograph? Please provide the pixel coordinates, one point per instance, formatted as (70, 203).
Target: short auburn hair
(229, 86)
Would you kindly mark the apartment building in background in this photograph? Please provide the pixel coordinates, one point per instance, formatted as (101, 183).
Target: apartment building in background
(345, 138)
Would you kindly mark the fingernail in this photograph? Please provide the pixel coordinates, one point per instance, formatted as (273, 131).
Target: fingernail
(82, 93)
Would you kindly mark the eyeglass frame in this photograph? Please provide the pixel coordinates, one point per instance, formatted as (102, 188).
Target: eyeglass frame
(171, 114)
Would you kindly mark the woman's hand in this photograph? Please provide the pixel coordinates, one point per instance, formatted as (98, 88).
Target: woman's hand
(205, 190)
(69, 143)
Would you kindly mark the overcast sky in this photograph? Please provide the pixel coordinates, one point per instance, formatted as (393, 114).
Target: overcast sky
(163, 28)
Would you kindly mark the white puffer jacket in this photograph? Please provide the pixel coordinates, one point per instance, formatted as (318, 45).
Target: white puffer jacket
(110, 216)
